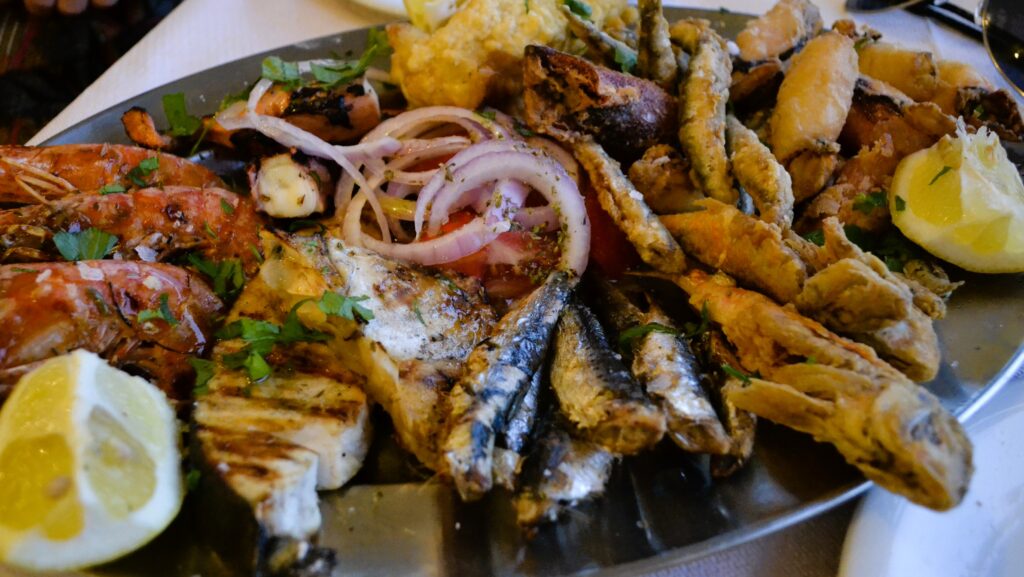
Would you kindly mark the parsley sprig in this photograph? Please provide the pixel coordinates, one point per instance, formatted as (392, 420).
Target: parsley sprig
(88, 244)
(327, 75)
(163, 312)
(181, 123)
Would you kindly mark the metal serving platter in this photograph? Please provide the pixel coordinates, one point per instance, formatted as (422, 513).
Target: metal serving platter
(660, 510)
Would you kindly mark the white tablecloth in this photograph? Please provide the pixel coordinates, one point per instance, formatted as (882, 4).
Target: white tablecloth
(204, 33)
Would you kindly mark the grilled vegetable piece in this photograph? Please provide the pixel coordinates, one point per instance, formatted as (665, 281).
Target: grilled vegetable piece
(780, 31)
(764, 179)
(32, 174)
(627, 209)
(596, 392)
(663, 177)
(665, 366)
(340, 114)
(151, 224)
(568, 98)
(895, 432)
(703, 94)
(613, 52)
(496, 372)
(146, 318)
(753, 251)
(512, 444)
(806, 123)
(655, 59)
(563, 471)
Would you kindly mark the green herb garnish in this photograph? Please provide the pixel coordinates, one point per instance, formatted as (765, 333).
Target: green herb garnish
(332, 303)
(628, 336)
(867, 203)
(162, 313)
(227, 275)
(145, 168)
(735, 373)
(901, 204)
(204, 372)
(89, 244)
(816, 236)
(944, 170)
(114, 188)
(579, 8)
(226, 207)
(181, 122)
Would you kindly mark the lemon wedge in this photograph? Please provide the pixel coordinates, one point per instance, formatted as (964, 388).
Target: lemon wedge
(963, 201)
(89, 465)
(429, 15)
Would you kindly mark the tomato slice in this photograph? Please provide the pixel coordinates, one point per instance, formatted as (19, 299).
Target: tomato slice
(610, 250)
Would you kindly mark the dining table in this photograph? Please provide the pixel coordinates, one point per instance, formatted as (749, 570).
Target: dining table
(201, 34)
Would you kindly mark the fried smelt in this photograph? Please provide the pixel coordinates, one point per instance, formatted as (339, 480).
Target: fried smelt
(569, 98)
(496, 372)
(628, 210)
(665, 367)
(596, 392)
(779, 31)
(856, 295)
(753, 251)
(655, 59)
(811, 110)
(912, 72)
(614, 52)
(757, 171)
(564, 471)
(662, 175)
(895, 432)
(740, 425)
(703, 94)
(930, 285)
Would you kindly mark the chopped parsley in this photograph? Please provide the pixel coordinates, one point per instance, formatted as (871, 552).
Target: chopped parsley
(209, 231)
(336, 73)
(231, 98)
(694, 330)
(332, 303)
(145, 168)
(816, 236)
(113, 188)
(89, 244)
(180, 121)
(192, 480)
(226, 207)
(632, 334)
(579, 8)
(892, 247)
(867, 203)
(204, 372)
(979, 112)
(419, 314)
(901, 204)
(811, 360)
(625, 58)
(488, 114)
(227, 275)
(736, 373)
(944, 170)
(162, 313)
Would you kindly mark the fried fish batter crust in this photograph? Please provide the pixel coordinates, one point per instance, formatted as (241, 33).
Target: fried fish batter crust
(703, 94)
(912, 72)
(626, 206)
(753, 251)
(811, 110)
(655, 59)
(896, 433)
(764, 179)
(779, 31)
(662, 175)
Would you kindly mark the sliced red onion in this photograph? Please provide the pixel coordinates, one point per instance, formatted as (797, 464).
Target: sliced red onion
(502, 252)
(544, 217)
(450, 247)
(558, 154)
(505, 200)
(538, 172)
(415, 122)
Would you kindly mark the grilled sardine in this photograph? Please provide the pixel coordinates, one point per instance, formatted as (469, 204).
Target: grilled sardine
(596, 392)
(496, 372)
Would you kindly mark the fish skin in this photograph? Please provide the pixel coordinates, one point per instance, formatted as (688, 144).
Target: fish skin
(667, 368)
(513, 443)
(496, 371)
(596, 392)
(564, 471)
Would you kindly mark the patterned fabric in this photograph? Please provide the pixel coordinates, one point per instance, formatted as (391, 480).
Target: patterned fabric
(46, 62)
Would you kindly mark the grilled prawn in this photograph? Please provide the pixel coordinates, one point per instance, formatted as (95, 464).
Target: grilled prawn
(141, 316)
(32, 174)
(151, 224)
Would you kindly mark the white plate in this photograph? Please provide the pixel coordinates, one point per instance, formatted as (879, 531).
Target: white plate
(890, 537)
(392, 7)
